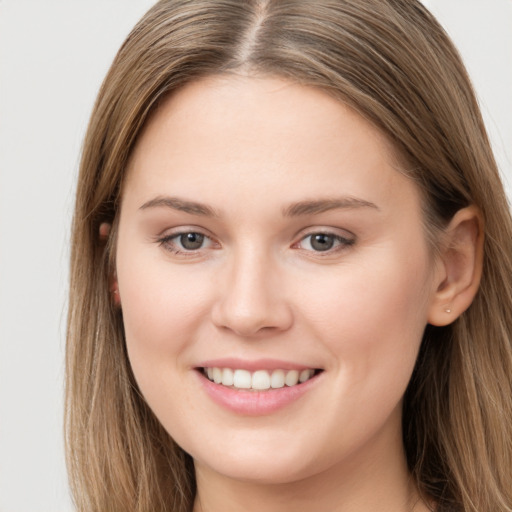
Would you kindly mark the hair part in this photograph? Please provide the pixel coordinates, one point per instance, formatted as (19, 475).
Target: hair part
(391, 62)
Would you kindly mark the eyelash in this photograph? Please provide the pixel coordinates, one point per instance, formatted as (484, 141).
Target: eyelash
(169, 244)
(339, 243)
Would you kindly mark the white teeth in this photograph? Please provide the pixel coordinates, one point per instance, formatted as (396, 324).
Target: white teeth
(227, 377)
(259, 380)
(277, 379)
(217, 375)
(242, 379)
(305, 375)
(292, 377)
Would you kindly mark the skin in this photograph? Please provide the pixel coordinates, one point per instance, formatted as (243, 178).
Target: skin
(248, 148)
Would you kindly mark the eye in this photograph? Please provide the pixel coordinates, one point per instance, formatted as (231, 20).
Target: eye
(184, 242)
(323, 242)
(191, 241)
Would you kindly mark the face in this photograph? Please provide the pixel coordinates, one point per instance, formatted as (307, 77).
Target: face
(274, 279)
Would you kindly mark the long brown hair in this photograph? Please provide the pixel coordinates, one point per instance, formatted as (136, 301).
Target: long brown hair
(393, 63)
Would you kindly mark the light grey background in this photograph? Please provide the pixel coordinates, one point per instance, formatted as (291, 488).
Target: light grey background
(53, 56)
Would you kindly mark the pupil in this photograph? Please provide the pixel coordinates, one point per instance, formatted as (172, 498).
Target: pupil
(191, 241)
(322, 242)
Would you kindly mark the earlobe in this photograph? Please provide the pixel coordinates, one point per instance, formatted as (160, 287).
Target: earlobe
(460, 267)
(104, 231)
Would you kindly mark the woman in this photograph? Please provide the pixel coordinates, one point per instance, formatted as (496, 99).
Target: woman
(291, 269)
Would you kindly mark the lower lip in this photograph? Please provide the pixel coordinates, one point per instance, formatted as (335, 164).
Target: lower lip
(255, 403)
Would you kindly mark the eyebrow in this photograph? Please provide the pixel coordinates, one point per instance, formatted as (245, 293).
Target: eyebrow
(309, 207)
(314, 207)
(181, 205)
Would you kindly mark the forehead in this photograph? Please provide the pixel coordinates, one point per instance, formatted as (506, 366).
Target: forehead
(254, 134)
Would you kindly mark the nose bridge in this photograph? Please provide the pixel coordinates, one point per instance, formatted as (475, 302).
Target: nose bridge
(251, 298)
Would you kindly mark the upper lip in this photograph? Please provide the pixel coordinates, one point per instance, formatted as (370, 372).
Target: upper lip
(253, 365)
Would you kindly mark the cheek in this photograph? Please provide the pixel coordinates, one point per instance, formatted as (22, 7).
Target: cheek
(161, 306)
(160, 316)
(371, 319)
(157, 297)
(372, 316)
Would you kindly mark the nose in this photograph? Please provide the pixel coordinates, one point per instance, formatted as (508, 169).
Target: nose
(251, 299)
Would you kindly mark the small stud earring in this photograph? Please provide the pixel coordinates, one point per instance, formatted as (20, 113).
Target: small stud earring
(448, 310)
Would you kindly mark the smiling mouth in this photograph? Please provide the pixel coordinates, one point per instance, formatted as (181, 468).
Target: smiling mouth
(259, 380)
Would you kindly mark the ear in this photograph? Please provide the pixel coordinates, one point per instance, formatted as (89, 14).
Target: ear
(104, 233)
(459, 267)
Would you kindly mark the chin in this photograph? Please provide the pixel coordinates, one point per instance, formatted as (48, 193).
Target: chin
(268, 471)
(280, 460)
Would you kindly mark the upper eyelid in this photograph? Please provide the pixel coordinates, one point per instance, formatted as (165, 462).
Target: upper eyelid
(325, 230)
(169, 233)
(327, 233)
(181, 229)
